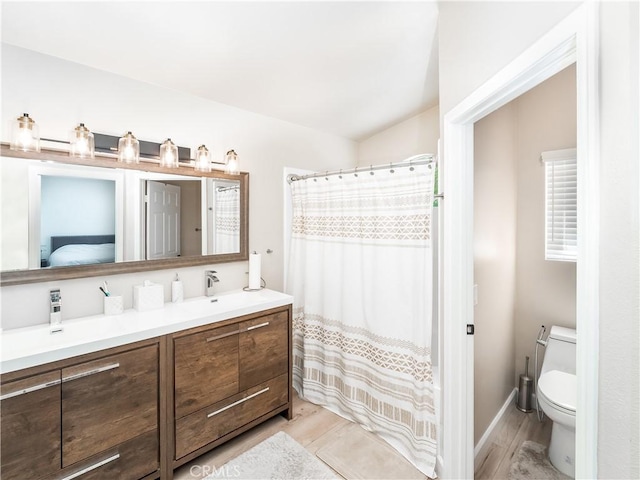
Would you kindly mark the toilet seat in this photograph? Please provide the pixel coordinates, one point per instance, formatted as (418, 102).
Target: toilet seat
(560, 390)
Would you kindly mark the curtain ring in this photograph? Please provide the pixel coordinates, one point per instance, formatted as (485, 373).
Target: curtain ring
(371, 170)
(326, 175)
(411, 167)
(340, 175)
(391, 170)
(355, 173)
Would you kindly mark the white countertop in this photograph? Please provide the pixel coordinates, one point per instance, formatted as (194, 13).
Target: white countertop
(30, 346)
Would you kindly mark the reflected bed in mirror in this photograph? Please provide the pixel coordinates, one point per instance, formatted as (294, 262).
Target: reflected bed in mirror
(114, 218)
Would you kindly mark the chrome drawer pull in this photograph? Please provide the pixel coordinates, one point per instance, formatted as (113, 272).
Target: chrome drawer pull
(258, 326)
(90, 372)
(92, 467)
(30, 389)
(238, 402)
(224, 335)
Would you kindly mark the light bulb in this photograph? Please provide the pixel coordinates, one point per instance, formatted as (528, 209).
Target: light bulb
(25, 134)
(168, 154)
(232, 166)
(203, 159)
(128, 149)
(81, 142)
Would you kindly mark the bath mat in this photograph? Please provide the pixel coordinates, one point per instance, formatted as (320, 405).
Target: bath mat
(358, 454)
(531, 462)
(278, 457)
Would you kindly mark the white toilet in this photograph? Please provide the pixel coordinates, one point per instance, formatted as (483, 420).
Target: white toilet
(556, 395)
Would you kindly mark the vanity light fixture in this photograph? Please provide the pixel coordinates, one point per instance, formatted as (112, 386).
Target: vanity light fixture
(25, 134)
(128, 149)
(81, 142)
(168, 154)
(231, 162)
(203, 159)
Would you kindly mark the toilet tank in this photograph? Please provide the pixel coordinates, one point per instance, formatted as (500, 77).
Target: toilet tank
(560, 353)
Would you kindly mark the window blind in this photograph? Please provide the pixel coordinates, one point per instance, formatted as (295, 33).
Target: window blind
(561, 234)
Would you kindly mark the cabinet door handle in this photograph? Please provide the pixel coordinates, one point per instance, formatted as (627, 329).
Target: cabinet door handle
(92, 467)
(90, 372)
(258, 326)
(29, 389)
(224, 335)
(253, 395)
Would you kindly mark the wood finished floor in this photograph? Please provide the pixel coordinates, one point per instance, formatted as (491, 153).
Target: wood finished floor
(313, 427)
(514, 428)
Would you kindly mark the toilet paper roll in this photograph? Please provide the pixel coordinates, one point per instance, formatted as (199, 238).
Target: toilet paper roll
(254, 271)
(177, 291)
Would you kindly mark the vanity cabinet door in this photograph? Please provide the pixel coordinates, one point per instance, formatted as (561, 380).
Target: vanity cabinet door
(30, 427)
(264, 349)
(107, 402)
(206, 368)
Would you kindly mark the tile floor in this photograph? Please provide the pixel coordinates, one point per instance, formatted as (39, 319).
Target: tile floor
(317, 429)
(514, 428)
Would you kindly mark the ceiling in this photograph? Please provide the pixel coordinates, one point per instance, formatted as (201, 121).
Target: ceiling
(347, 68)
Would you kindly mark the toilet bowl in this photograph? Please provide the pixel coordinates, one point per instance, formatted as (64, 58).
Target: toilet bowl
(556, 396)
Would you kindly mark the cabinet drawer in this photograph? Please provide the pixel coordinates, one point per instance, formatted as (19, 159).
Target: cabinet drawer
(107, 402)
(206, 368)
(215, 421)
(264, 349)
(131, 460)
(30, 427)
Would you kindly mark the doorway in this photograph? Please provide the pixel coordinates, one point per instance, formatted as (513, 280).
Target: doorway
(571, 41)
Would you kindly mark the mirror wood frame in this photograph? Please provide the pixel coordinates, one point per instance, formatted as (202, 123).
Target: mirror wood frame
(18, 277)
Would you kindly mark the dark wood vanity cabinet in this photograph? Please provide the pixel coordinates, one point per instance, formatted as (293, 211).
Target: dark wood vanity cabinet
(140, 410)
(30, 427)
(229, 376)
(95, 416)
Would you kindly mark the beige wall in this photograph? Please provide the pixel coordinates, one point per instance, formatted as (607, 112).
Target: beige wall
(476, 40)
(414, 136)
(545, 290)
(495, 199)
(59, 94)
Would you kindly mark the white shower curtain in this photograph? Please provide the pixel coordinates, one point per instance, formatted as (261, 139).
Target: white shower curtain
(227, 239)
(361, 276)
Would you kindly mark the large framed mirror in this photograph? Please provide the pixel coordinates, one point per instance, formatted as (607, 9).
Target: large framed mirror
(64, 217)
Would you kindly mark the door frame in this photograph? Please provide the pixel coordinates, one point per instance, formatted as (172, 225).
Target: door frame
(574, 40)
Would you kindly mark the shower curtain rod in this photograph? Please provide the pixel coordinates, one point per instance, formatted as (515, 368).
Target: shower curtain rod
(423, 159)
(224, 189)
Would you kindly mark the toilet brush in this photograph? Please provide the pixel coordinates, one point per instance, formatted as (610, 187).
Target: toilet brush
(524, 390)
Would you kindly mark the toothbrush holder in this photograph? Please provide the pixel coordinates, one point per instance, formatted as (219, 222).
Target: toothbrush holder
(113, 305)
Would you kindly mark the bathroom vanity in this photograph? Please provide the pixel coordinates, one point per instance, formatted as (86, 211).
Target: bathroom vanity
(136, 395)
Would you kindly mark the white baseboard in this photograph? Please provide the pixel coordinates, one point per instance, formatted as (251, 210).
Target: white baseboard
(482, 445)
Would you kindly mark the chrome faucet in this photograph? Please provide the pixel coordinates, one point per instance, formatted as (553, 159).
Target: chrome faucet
(209, 279)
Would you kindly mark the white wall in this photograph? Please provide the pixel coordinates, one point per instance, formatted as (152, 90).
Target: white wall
(479, 38)
(546, 290)
(416, 135)
(60, 94)
(494, 246)
(76, 206)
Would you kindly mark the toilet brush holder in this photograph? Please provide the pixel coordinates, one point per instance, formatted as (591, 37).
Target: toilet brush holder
(525, 388)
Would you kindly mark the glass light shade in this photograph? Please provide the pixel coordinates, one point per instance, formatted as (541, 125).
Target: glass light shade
(128, 149)
(81, 142)
(168, 154)
(203, 159)
(25, 134)
(231, 162)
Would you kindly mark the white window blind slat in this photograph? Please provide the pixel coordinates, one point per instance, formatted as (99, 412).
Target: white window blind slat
(561, 240)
